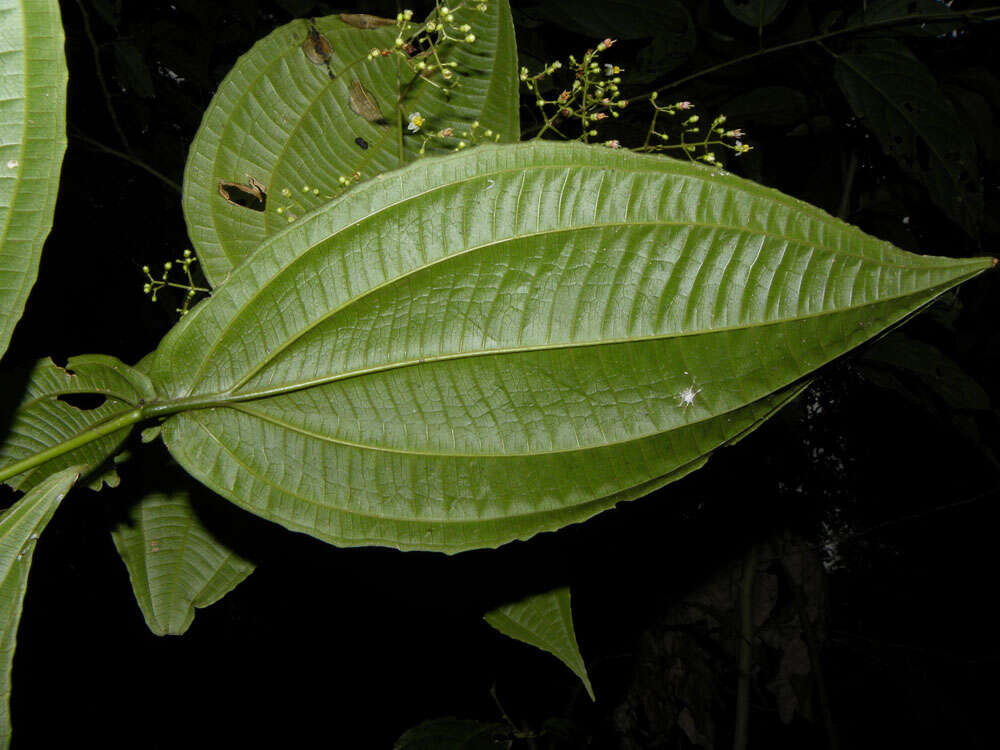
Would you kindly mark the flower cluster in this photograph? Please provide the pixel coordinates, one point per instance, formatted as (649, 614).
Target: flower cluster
(694, 143)
(154, 285)
(592, 96)
(471, 137)
(419, 45)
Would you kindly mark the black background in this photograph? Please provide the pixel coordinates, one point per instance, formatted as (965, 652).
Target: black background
(348, 648)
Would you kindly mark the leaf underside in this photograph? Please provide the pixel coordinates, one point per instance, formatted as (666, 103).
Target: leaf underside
(42, 420)
(481, 347)
(20, 527)
(278, 118)
(175, 563)
(32, 142)
(544, 621)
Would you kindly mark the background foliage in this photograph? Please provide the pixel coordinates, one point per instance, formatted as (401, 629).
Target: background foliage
(892, 453)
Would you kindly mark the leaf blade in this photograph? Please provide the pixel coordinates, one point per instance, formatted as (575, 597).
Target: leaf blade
(278, 118)
(33, 110)
(544, 621)
(174, 561)
(898, 98)
(20, 526)
(486, 346)
(42, 417)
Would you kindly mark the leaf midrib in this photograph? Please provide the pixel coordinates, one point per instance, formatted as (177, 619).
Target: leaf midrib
(273, 355)
(227, 398)
(790, 203)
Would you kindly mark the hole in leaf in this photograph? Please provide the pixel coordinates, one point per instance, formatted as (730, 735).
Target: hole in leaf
(82, 401)
(361, 142)
(252, 196)
(61, 363)
(365, 21)
(362, 103)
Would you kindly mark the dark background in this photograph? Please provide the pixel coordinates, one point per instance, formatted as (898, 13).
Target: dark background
(886, 469)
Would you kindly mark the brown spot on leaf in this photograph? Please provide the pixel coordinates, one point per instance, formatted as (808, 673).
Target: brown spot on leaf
(252, 196)
(317, 48)
(365, 21)
(363, 103)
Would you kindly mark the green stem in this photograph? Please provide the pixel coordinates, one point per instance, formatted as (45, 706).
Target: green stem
(87, 436)
(127, 157)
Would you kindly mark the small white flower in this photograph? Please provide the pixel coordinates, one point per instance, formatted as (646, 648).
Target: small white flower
(416, 120)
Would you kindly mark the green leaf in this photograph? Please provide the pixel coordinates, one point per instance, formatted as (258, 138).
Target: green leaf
(886, 10)
(175, 563)
(278, 119)
(929, 367)
(896, 96)
(481, 347)
(46, 413)
(454, 734)
(756, 13)
(546, 622)
(32, 142)
(20, 526)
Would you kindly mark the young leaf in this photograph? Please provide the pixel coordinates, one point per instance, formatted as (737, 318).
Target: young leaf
(896, 96)
(278, 118)
(175, 563)
(20, 526)
(32, 142)
(481, 347)
(46, 412)
(546, 622)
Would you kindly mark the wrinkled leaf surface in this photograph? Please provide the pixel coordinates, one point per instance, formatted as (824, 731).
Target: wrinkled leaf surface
(32, 142)
(175, 563)
(278, 118)
(39, 418)
(20, 527)
(544, 621)
(481, 347)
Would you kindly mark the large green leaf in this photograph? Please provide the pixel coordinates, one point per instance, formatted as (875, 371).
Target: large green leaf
(278, 119)
(481, 347)
(20, 526)
(545, 621)
(46, 413)
(897, 97)
(175, 563)
(32, 142)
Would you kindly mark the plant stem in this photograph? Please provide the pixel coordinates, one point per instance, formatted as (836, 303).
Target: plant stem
(129, 158)
(100, 74)
(813, 647)
(746, 650)
(908, 20)
(845, 196)
(87, 436)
